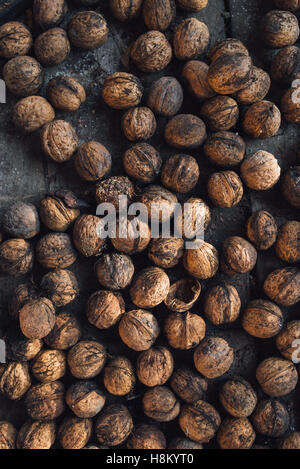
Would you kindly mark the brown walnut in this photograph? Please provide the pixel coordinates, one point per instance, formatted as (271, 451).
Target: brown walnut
(15, 39)
(202, 262)
(37, 318)
(166, 252)
(151, 52)
(92, 161)
(114, 271)
(125, 10)
(87, 30)
(87, 235)
(183, 294)
(283, 286)
(238, 397)
(277, 376)
(213, 357)
(159, 202)
(139, 329)
(19, 348)
(8, 435)
(194, 219)
(185, 131)
(65, 333)
(236, 433)
(292, 441)
(56, 215)
(147, 437)
(32, 112)
(279, 29)
(165, 96)
(48, 13)
(222, 304)
(74, 433)
(60, 286)
(52, 47)
(238, 256)
(138, 124)
(36, 435)
(59, 140)
(136, 240)
(199, 421)
(49, 366)
(65, 93)
(150, 287)
(262, 319)
(23, 76)
(271, 418)
(55, 251)
(114, 425)
(122, 90)
(188, 385)
(45, 401)
(262, 120)
(21, 220)
(291, 186)
(260, 171)
(287, 244)
(262, 230)
(184, 331)
(225, 149)
(85, 399)
(159, 14)
(14, 380)
(160, 404)
(16, 257)
(230, 73)
(229, 46)
(195, 76)
(86, 359)
(285, 64)
(23, 293)
(119, 378)
(180, 173)
(105, 308)
(257, 88)
(109, 190)
(155, 366)
(220, 113)
(190, 40)
(286, 341)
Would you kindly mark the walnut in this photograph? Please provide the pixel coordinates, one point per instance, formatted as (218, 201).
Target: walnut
(86, 359)
(36, 435)
(14, 380)
(65, 93)
(222, 304)
(114, 425)
(85, 399)
(19, 348)
(45, 401)
(119, 378)
(279, 29)
(256, 89)
(190, 40)
(37, 318)
(220, 113)
(185, 131)
(202, 261)
(236, 433)
(194, 220)
(277, 376)
(105, 308)
(54, 251)
(56, 215)
(160, 203)
(122, 90)
(159, 14)
(262, 120)
(260, 171)
(147, 437)
(230, 73)
(92, 161)
(15, 39)
(180, 173)
(195, 76)
(114, 271)
(151, 52)
(262, 230)
(184, 331)
(49, 365)
(8, 435)
(32, 112)
(285, 64)
(139, 329)
(74, 433)
(65, 333)
(283, 286)
(155, 366)
(238, 397)
(87, 30)
(292, 441)
(192, 5)
(109, 191)
(166, 252)
(137, 238)
(286, 340)
(184, 443)
(142, 162)
(23, 76)
(183, 295)
(150, 287)
(16, 257)
(49, 13)
(229, 46)
(59, 140)
(165, 96)
(199, 421)
(21, 220)
(138, 123)
(262, 319)
(23, 293)
(225, 149)
(271, 418)
(291, 186)
(189, 385)
(213, 357)
(60, 286)
(290, 105)
(238, 256)
(160, 404)
(52, 47)
(87, 235)
(125, 10)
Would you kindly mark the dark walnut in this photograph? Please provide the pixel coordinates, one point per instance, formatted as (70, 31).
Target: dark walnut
(283, 286)
(159, 202)
(65, 333)
(114, 425)
(15, 39)
(183, 294)
(262, 230)
(161, 404)
(199, 421)
(105, 308)
(229, 46)
(87, 30)
(257, 88)
(16, 257)
(138, 124)
(59, 140)
(36, 435)
(49, 366)
(291, 186)
(290, 104)
(60, 286)
(31, 113)
(291, 5)
(86, 359)
(222, 304)
(45, 401)
(180, 173)
(23, 76)
(155, 366)
(236, 433)
(213, 357)
(22, 294)
(18, 347)
(195, 77)
(65, 93)
(87, 236)
(225, 149)
(185, 131)
(165, 96)
(109, 191)
(287, 340)
(238, 256)
(279, 29)
(238, 397)
(260, 171)
(48, 14)
(14, 380)
(37, 318)
(285, 65)
(220, 113)
(184, 443)
(56, 214)
(276, 376)
(159, 14)
(55, 251)
(202, 262)
(190, 40)
(262, 319)
(92, 161)
(166, 252)
(137, 238)
(147, 437)
(119, 378)
(74, 433)
(262, 120)
(192, 5)
(114, 271)
(184, 331)
(194, 219)
(87, 3)
(21, 220)
(85, 399)
(8, 435)
(139, 329)
(287, 244)
(151, 52)
(271, 418)
(122, 90)
(150, 287)
(188, 385)
(142, 162)
(125, 10)
(52, 47)
(230, 73)
(292, 441)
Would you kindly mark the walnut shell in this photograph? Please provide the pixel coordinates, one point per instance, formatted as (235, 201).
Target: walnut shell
(262, 230)
(213, 357)
(292, 441)
(199, 421)
(238, 256)
(139, 329)
(287, 245)
(202, 262)
(119, 377)
(85, 399)
(37, 318)
(74, 433)
(277, 376)
(8, 435)
(87, 30)
(55, 250)
(262, 120)
(21, 220)
(195, 76)
(19, 348)
(271, 418)
(45, 401)
(92, 161)
(155, 366)
(283, 286)
(279, 29)
(291, 186)
(180, 173)
(159, 202)
(184, 443)
(287, 340)
(236, 433)
(59, 140)
(220, 113)
(262, 319)
(238, 397)
(185, 131)
(36, 435)
(105, 308)
(285, 64)
(193, 220)
(136, 240)
(230, 73)
(225, 149)
(150, 287)
(160, 404)
(188, 385)
(49, 366)
(138, 124)
(109, 191)
(60, 286)
(260, 171)
(56, 215)
(114, 425)
(49, 13)
(65, 333)
(147, 437)
(151, 52)
(65, 93)
(32, 112)
(23, 76)
(16, 257)
(87, 236)
(184, 331)
(14, 380)
(192, 5)
(257, 88)
(159, 14)
(23, 293)
(142, 162)
(183, 295)
(125, 10)
(15, 39)
(190, 40)
(290, 104)
(86, 359)
(114, 271)
(166, 252)
(165, 96)
(122, 90)
(222, 304)
(228, 46)
(52, 47)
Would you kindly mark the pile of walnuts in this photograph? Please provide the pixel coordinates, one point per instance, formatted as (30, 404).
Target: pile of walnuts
(58, 371)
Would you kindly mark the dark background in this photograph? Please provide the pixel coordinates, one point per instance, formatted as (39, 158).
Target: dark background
(25, 174)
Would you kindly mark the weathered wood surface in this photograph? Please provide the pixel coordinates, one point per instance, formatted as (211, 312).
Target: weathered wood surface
(26, 174)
